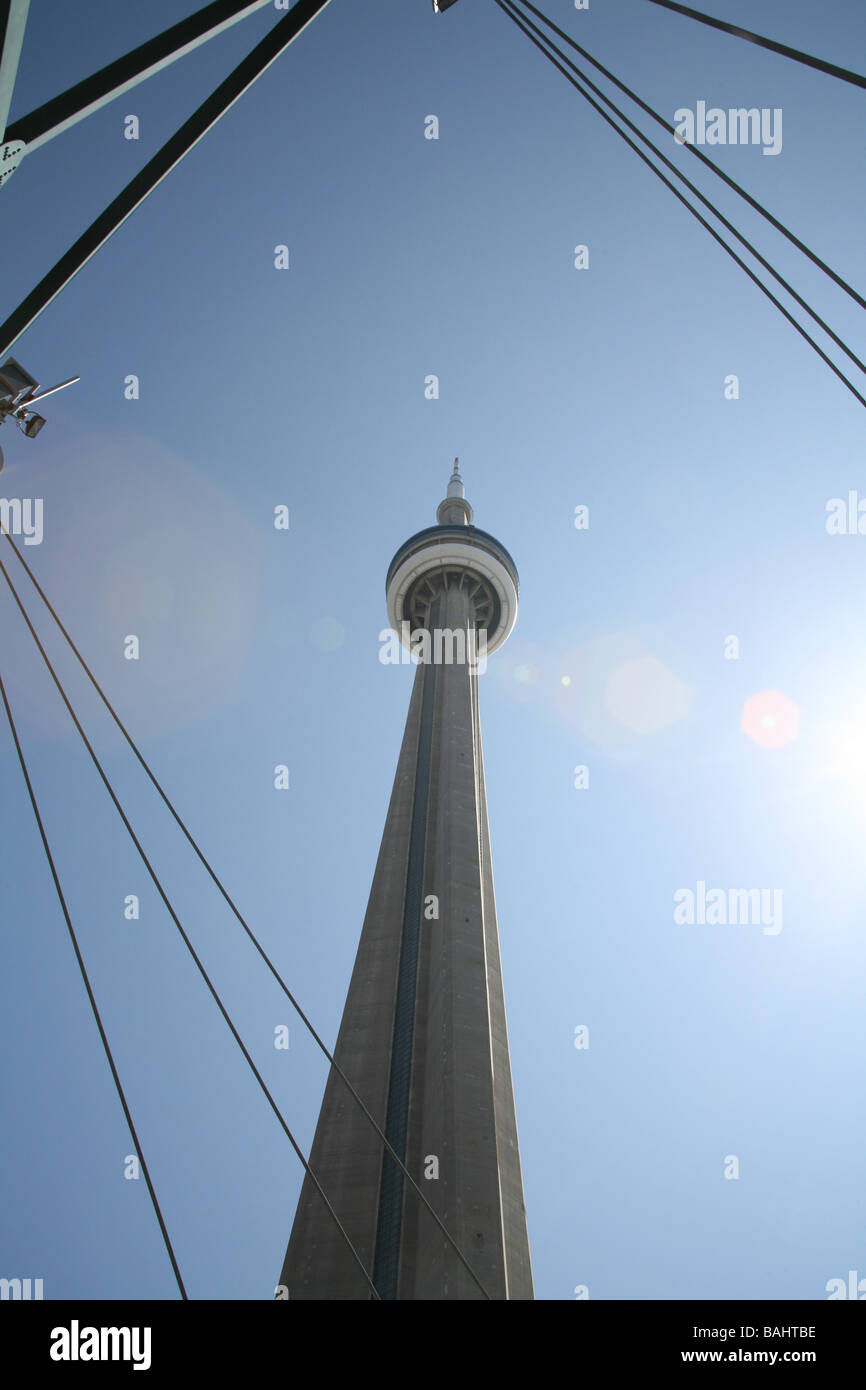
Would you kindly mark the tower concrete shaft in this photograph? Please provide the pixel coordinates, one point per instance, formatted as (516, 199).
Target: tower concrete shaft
(423, 1037)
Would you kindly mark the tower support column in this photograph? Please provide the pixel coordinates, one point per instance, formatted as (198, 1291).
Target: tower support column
(424, 1038)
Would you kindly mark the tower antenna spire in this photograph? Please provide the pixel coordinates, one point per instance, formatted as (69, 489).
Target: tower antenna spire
(455, 510)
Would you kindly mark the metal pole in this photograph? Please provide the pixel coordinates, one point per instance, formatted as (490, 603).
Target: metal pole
(118, 77)
(13, 20)
(155, 171)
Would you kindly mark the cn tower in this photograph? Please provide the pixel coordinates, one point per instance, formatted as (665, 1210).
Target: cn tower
(423, 1037)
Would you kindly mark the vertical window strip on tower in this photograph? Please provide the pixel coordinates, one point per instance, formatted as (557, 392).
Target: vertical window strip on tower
(390, 1219)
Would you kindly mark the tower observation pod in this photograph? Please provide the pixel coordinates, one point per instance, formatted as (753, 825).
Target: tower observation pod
(423, 1038)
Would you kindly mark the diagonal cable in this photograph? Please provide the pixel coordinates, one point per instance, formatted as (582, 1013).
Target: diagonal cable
(514, 15)
(90, 995)
(240, 918)
(820, 63)
(699, 154)
(159, 888)
(698, 194)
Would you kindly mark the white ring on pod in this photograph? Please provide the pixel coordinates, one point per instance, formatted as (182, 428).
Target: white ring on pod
(445, 554)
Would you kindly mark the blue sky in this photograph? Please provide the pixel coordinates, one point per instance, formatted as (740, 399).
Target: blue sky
(558, 388)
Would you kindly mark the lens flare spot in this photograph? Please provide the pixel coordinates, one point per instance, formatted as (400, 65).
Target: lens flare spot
(770, 719)
(645, 696)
